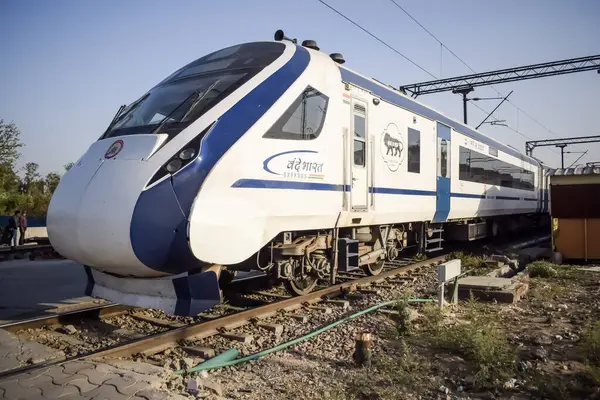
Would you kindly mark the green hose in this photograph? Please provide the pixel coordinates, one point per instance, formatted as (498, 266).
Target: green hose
(205, 366)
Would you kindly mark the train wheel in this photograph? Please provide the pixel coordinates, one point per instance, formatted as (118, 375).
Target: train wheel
(301, 286)
(374, 268)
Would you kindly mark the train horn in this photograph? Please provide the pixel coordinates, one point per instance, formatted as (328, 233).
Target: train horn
(279, 36)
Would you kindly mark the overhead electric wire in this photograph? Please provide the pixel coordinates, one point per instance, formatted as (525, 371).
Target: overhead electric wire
(378, 39)
(472, 70)
(423, 69)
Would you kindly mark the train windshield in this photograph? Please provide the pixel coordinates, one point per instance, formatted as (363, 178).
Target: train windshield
(191, 91)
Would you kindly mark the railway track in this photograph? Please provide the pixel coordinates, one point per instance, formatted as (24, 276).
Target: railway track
(252, 310)
(174, 332)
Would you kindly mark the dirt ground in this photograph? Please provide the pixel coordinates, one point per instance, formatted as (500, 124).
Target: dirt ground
(545, 346)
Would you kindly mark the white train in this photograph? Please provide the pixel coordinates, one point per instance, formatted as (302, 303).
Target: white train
(272, 155)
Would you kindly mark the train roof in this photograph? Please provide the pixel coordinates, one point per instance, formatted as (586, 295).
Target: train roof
(396, 97)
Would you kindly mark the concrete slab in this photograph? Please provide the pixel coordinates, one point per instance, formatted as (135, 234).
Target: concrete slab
(483, 282)
(16, 353)
(486, 288)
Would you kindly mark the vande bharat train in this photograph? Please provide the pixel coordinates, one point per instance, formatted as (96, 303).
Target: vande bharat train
(274, 156)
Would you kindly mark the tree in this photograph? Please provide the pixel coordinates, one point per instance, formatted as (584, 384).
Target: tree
(9, 143)
(52, 180)
(31, 176)
(68, 166)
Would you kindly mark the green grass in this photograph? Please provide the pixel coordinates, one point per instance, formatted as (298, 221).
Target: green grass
(479, 340)
(542, 269)
(590, 345)
(470, 262)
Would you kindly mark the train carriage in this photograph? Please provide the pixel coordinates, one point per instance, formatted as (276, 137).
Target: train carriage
(274, 156)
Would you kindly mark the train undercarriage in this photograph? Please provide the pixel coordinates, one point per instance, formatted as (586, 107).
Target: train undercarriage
(301, 259)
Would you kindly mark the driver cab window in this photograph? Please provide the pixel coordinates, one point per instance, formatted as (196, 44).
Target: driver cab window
(303, 120)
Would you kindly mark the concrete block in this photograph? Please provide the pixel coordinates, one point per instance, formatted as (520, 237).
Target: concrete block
(449, 270)
(341, 303)
(300, 318)
(277, 329)
(502, 290)
(204, 352)
(238, 337)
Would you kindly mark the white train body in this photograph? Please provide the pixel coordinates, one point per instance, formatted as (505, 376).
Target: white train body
(266, 161)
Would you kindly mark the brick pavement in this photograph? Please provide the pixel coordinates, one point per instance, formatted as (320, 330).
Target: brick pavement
(114, 380)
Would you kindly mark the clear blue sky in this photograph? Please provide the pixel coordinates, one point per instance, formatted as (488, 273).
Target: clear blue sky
(67, 65)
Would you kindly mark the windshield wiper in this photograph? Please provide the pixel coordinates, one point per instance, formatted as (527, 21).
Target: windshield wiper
(199, 99)
(120, 117)
(194, 103)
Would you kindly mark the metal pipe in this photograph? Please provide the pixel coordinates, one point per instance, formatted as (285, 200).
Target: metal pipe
(365, 258)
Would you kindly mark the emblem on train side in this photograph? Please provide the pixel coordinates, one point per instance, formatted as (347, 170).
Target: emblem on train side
(299, 164)
(392, 147)
(114, 149)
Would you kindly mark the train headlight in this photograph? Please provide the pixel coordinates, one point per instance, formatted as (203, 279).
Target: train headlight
(187, 154)
(174, 165)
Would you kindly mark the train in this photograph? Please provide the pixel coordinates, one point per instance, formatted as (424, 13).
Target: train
(274, 156)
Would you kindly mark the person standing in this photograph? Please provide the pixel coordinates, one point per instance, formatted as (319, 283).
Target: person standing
(22, 228)
(13, 225)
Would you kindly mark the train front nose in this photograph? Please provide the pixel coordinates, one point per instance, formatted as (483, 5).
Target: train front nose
(91, 212)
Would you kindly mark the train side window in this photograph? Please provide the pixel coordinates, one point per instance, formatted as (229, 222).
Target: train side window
(414, 151)
(360, 129)
(481, 168)
(443, 158)
(303, 120)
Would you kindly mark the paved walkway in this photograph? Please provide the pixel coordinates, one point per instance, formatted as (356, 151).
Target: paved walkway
(34, 286)
(114, 380)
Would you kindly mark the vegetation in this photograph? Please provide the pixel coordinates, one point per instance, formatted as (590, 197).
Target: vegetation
(590, 344)
(479, 339)
(542, 269)
(24, 188)
(476, 264)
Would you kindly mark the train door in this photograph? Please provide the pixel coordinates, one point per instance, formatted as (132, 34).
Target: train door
(442, 205)
(359, 192)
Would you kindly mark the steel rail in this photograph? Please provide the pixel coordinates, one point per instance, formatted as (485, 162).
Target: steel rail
(164, 340)
(105, 310)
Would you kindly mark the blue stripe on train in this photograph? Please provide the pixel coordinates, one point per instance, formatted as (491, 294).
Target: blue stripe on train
(332, 187)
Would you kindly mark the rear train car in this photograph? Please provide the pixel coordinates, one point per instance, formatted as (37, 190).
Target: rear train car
(274, 156)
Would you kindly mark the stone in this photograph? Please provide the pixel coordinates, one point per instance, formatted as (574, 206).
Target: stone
(540, 353)
(510, 384)
(194, 386)
(68, 330)
(562, 307)
(444, 389)
(542, 339)
(204, 352)
(186, 363)
(324, 310)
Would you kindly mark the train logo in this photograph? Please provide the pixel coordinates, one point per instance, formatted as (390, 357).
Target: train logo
(392, 147)
(298, 164)
(114, 149)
